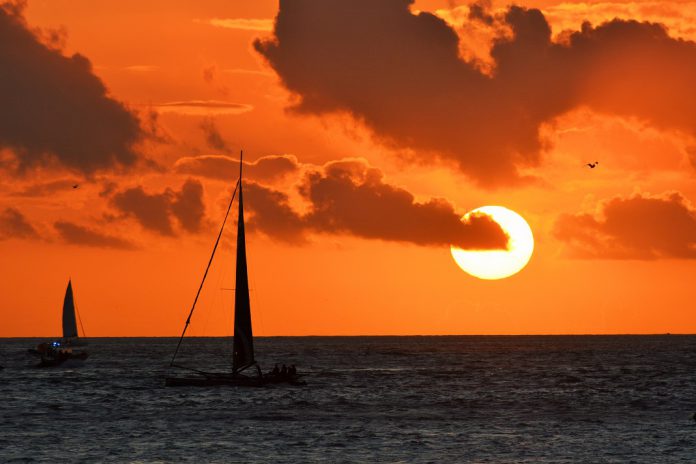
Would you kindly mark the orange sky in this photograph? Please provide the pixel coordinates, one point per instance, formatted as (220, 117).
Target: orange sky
(381, 119)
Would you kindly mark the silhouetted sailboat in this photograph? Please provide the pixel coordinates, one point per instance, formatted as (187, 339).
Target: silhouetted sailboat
(243, 343)
(57, 352)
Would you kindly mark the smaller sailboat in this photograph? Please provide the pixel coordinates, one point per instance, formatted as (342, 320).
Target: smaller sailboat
(59, 351)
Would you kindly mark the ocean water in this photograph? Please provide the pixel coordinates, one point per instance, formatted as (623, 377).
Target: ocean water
(552, 399)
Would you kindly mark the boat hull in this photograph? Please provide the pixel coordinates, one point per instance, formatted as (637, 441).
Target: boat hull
(53, 358)
(214, 380)
(230, 380)
(74, 359)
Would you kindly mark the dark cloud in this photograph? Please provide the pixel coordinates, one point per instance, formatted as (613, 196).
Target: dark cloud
(155, 132)
(154, 211)
(401, 74)
(349, 197)
(79, 235)
(54, 108)
(13, 224)
(265, 169)
(188, 207)
(273, 215)
(150, 210)
(212, 135)
(481, 11)
(209, 73)
(108, 187)
(691, 155)
(639, 227)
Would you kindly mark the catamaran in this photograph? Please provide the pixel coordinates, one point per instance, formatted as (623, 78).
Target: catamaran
(245, 370)
(59, 351)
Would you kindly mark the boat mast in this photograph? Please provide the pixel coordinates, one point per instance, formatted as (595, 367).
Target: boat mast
(243, 349)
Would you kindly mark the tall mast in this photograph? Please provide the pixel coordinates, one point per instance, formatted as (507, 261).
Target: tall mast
(243, 351)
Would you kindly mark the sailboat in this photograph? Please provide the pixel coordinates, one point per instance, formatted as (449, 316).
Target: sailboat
(59, 351)
(245, 370)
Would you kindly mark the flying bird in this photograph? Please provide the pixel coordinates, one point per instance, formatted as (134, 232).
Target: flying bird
(592, 165)
(75, 186)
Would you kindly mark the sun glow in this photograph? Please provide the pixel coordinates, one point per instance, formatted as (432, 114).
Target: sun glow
(498, 264)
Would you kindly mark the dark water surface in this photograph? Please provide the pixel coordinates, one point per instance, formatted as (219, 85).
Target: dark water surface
(595, 399)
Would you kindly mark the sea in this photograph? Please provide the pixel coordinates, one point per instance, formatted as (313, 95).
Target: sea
(440, 399)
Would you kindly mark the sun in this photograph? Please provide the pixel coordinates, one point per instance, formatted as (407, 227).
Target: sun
(498, 264)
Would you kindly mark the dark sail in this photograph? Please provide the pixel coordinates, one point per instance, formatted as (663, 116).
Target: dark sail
(243, 355)
(69, 322)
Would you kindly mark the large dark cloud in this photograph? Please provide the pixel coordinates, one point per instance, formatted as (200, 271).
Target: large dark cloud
(156, 211)
(265, 169)
(349, 197)
(53, 106)
(13, 224)
(402, 75)
(76, 234)
(639, 227)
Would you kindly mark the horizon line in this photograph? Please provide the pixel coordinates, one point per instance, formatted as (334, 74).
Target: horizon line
(626, 334)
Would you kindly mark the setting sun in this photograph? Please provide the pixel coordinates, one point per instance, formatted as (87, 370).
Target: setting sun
(498, 264)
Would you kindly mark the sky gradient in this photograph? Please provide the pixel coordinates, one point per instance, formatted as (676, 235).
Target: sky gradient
(368, 129)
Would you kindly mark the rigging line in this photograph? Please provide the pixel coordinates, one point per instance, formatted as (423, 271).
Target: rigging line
(84, 334)
(79, 319)
(207, 268)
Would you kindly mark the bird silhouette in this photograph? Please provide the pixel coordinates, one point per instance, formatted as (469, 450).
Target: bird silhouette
(75, 186)
(592, 165)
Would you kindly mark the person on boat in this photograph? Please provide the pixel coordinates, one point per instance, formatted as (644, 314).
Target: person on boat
(275, 371)
(283, 371)
(292, 371)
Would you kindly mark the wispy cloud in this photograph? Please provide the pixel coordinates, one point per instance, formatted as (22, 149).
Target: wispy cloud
(42, 189)
(203, 107)
(240, 23)
(76, 234)
(13, 224)
(141, 68)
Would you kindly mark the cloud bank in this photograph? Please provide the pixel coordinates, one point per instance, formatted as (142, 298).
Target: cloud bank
(349, 197)
(638, 227)
(265, 169)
